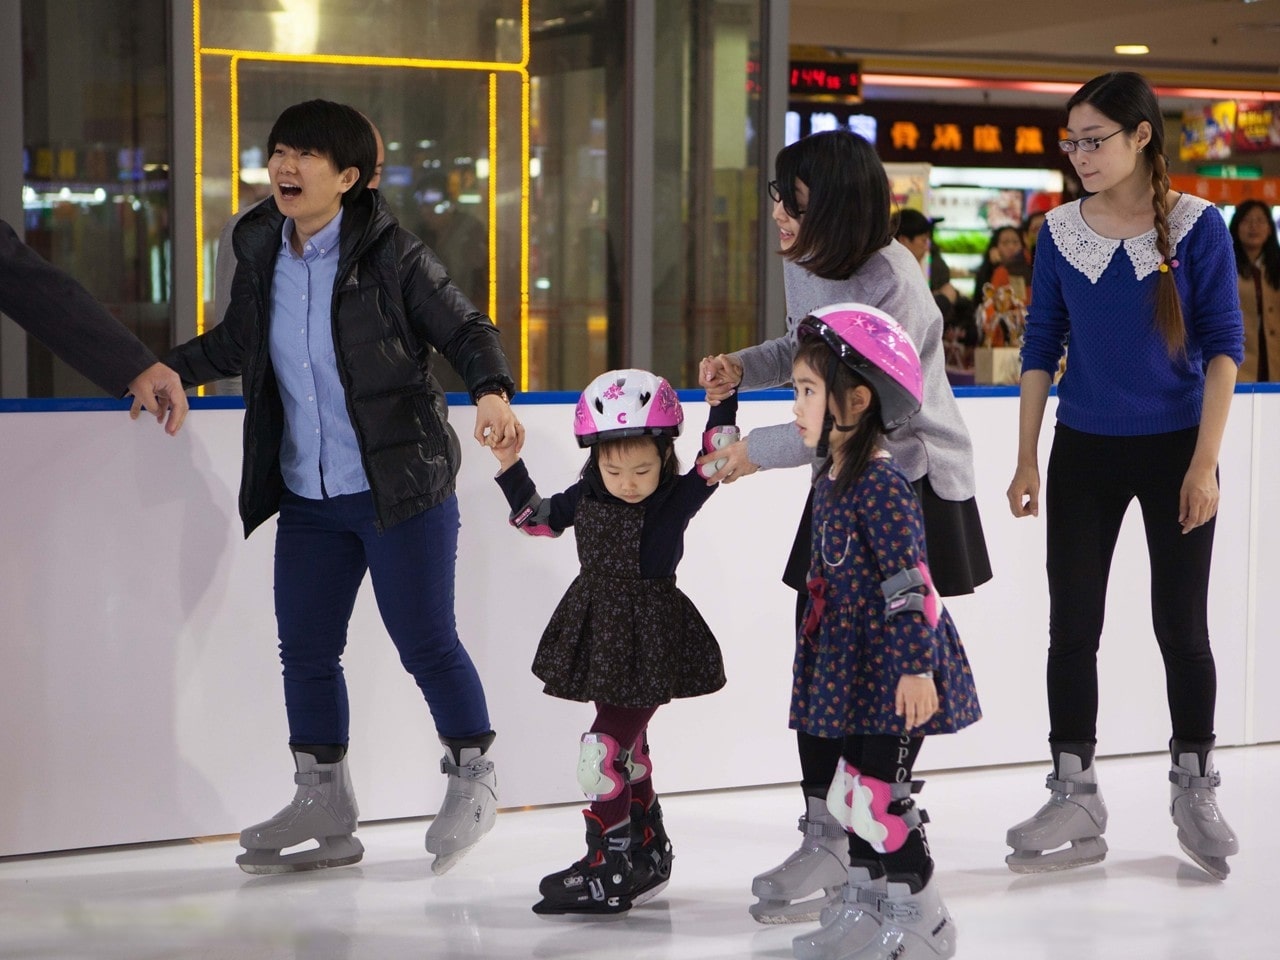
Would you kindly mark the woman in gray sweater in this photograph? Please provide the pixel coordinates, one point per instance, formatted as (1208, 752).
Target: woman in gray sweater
(832, 208)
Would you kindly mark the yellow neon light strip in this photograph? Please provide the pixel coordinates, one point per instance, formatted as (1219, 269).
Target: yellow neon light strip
(524, 216)
(234, 67)
(359, 61)
(198, 143)
(493, 195)
(492, 67)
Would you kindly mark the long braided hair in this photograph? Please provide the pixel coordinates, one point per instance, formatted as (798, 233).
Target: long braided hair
(1127, 98)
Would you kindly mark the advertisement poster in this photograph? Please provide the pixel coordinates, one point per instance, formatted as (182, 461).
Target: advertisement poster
(1257, 126)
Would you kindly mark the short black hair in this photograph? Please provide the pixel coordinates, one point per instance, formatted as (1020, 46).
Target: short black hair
(847, 215)
(335, 130)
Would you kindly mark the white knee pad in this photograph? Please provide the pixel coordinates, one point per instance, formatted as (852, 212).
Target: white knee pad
(601, 773)
(861, 805)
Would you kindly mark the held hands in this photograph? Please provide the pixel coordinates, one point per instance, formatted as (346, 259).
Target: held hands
(1198, 499)
(720, 375)
(1024, 491)
(498, 428)
(916, 700)
(737, 463)
(158, 390)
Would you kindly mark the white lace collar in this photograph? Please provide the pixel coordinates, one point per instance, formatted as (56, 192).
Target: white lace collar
(1090, 253)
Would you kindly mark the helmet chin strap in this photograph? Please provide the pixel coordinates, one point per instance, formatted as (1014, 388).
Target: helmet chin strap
(829, 424)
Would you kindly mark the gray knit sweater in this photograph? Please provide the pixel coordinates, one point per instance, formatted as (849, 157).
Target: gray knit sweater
(935, 441)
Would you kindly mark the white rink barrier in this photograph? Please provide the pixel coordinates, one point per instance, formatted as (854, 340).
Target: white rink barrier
(140, 689)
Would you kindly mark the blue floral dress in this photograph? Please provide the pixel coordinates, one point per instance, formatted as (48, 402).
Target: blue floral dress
(849, 656)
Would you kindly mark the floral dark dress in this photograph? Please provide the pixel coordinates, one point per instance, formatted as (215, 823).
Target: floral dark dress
(620, 638)
(624, 634)
(848, 665)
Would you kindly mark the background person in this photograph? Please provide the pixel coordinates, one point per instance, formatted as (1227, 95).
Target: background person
(1253, 235)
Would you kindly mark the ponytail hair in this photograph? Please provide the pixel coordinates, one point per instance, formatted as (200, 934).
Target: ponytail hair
(1127, 98)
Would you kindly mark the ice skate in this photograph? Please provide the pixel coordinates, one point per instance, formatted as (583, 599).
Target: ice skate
(598, 885)
(811, 878)
(470, 801)
(913, 926)
(1203, 834)
(651, 853)
(1067, 831)
(851, 924)
(323, 810)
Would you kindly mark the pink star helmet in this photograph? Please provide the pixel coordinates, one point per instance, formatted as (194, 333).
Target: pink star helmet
(876, 347)
(627, 403)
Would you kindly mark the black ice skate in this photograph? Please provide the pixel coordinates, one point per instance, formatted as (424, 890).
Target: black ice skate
(651, 853)
(598, 885)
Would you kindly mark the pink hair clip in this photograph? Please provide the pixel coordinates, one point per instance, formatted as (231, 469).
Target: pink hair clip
(1164, 267)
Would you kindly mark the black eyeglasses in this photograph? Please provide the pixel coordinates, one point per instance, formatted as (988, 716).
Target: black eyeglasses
(1085, 144)
(775, 194)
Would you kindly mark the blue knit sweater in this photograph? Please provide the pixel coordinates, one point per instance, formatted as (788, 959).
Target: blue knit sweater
(1097, 296)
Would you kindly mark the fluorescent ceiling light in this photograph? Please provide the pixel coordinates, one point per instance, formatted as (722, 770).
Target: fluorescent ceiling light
(1132, 49)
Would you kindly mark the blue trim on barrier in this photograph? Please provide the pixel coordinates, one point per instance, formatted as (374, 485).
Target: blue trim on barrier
(74, 404)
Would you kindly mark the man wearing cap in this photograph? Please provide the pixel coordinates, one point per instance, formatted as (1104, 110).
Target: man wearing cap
(915, 232)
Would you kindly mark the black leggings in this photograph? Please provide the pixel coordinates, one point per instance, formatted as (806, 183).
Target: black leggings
(1090, 483)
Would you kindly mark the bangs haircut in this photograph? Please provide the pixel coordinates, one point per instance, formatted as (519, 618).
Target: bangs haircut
(334, 130)
(620, 446)
(860, 444)
(1270, 246)
(847, 217)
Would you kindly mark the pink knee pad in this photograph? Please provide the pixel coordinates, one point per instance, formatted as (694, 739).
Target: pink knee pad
(636, 760)
(861, 805)
(600, 771)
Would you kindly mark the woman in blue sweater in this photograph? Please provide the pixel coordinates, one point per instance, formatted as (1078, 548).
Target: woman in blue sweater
(1142, 281)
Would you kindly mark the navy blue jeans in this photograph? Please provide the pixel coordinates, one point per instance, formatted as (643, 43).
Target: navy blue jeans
(323, 548)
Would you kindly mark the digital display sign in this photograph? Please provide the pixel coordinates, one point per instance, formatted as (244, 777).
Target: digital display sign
(834, 79)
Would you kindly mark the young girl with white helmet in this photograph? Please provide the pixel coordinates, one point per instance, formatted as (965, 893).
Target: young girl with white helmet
(879, 664)
(623, 636)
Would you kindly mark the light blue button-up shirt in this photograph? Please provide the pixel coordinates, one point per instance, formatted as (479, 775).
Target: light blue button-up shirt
(320, 456)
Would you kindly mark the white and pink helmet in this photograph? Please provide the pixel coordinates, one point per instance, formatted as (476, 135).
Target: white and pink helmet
(874, 346)
(627, 403)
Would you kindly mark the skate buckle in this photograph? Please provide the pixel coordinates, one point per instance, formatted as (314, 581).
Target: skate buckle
(313, 778)
(1187, 782)
(1071, 786)
(819, 828)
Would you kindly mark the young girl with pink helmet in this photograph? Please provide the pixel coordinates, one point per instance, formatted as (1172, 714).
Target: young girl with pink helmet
(879, 665)
(623, 636)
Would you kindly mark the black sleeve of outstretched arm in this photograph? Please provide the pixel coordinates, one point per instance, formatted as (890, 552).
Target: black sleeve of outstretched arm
(60, 313)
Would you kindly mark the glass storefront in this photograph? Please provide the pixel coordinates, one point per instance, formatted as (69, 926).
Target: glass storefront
(508, 136)
(96, 189)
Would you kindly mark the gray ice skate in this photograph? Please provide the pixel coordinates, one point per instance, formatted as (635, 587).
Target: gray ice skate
(1067, 831)
(470, 801)
(850, 925)
(811, 878)
(1203, 834)
(913, 926)
(323, 810)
